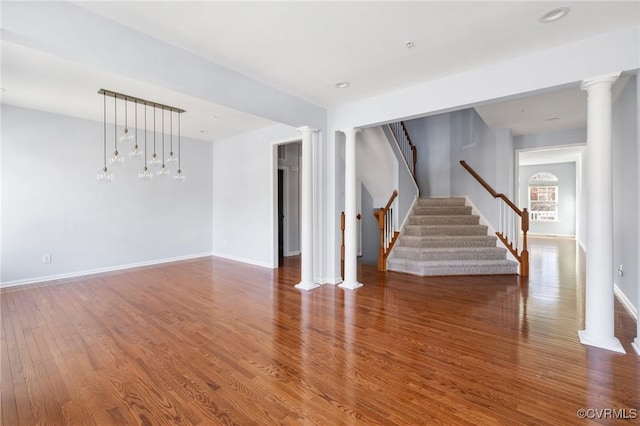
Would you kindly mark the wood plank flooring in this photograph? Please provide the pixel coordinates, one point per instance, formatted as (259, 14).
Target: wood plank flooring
(212, 341)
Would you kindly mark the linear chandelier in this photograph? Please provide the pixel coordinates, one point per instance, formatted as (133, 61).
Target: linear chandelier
(158, 163)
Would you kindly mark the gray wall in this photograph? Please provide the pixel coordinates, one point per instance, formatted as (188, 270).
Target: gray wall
(566, 174)
(625, 190)
(53, 204)
(431, 135)
(370, 232)
(481, 147)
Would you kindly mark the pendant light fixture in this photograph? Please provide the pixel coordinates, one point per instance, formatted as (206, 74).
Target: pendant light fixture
(155, 161)
(136, 152)
(172, 158)
(104, 175)
(117, 158)
(179, 176)
(164, 171)
(145, 174)
(126, 135)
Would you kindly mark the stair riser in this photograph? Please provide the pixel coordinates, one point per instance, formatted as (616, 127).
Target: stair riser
(440, 211)
(450, 256)
(440, 202)
(445, 243)
(444, 220)
(445, 230)
(440, 271)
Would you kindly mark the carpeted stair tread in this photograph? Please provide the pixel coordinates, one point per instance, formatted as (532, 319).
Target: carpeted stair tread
(445, 230)
(440, 202)
(465, 219)
(435, 241)
(453, 267)
(451, 253)
(441, 210)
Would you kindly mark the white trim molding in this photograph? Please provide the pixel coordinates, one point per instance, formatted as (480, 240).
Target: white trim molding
(42, 279)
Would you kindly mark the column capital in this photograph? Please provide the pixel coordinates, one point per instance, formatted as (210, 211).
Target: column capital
(588, 83)
(306, 129)
(353, 130)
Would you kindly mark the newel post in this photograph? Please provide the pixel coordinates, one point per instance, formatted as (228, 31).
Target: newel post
(524, 255)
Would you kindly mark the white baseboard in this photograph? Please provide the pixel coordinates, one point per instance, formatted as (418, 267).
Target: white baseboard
(46, 278)
(625, 301)
(292, 253)
(244, 260)
(333, 281)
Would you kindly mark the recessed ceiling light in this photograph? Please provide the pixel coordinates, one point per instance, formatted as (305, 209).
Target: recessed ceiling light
(204, 132)
(554, 14)
(343, 85)
(409, 44)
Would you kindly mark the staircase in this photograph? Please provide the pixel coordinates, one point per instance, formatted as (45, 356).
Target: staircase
(442, 237)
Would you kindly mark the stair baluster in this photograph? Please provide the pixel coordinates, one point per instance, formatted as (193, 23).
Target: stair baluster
(388, 234)
(408, 149)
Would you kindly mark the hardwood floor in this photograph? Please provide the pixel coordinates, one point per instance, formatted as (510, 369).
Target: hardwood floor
(212, 341)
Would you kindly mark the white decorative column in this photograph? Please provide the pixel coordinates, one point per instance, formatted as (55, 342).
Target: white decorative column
(306, 212)
(636, 341)
(599, 312)
(350, 221)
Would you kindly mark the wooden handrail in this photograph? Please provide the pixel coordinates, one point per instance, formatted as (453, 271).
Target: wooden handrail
(393, 197)
(488, 187)
(523, 256)
(388, 235)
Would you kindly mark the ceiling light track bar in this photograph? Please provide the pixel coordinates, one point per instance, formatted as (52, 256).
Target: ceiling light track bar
(139, 100)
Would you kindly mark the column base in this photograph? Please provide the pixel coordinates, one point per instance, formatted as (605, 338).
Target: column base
(636, 345)
(350, 285)
(306, 286)
(612, 344)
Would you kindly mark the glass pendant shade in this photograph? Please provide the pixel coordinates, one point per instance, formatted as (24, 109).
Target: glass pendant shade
(104, 175)
(136, 151)
(155, 161)
(145, 174)
(126, 135)
(179, 176)
(172, 158)
(164, 171)
(116, 159)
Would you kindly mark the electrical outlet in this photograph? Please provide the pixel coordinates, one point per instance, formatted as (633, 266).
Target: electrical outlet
(46, 258)
(620, 271)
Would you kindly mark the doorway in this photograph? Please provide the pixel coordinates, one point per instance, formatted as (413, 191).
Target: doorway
(280, 216)
(287, 200)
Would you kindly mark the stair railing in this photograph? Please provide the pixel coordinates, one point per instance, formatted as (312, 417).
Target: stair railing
(512, 222)
(408, 149)
(388, 233)
(342, 221)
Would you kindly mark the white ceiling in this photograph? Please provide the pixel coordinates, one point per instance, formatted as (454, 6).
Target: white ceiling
(304, 48)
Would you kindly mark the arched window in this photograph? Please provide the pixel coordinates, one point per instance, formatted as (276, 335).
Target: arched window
(543, 196)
